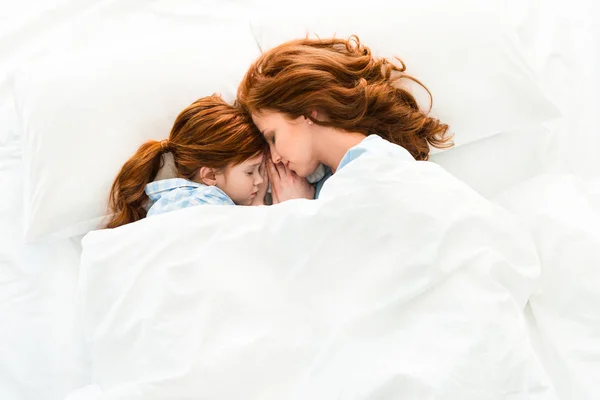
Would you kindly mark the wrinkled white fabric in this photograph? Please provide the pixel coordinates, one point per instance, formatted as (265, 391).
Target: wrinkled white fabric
(562, 213)
(399, 282)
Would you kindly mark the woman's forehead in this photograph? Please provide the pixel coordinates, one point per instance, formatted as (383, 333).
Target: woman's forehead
(264, 117)
(271, 119)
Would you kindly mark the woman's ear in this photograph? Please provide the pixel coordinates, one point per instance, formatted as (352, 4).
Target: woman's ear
(313, 115)
(206, 175)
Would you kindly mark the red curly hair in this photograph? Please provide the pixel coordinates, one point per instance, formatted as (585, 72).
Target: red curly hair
(208, 133)
(341, 79)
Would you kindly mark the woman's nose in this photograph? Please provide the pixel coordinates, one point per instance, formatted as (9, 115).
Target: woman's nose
(275, 157)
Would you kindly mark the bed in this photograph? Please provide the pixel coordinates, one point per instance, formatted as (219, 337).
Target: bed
(87, 315)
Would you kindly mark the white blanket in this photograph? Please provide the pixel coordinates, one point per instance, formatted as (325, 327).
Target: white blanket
(400, 282)
(562, 212)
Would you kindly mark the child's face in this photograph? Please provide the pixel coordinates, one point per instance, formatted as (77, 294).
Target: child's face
(241, 182)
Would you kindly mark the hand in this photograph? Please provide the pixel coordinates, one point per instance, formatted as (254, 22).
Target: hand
(286, 185)
(259, 200)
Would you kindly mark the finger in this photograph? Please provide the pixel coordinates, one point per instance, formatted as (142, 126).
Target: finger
(286, 170)
(264, 169)
(295, 176)
(281, 169)
(264, 186)
(274, 195)
(272, 170)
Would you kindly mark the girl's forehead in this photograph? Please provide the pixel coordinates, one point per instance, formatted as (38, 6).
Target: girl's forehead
(254, 160)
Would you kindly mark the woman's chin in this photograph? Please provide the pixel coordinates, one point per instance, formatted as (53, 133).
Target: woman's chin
(301, 172)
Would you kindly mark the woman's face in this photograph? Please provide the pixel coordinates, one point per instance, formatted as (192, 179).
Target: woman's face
(290, 140)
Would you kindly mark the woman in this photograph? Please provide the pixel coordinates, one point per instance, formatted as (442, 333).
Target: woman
(328, 102)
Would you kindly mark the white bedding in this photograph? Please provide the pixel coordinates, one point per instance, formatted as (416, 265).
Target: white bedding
(407, 285)
(41, 348)
(41, 351)
(562, 213)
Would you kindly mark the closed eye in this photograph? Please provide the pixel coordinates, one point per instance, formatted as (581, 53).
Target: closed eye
(270, 136)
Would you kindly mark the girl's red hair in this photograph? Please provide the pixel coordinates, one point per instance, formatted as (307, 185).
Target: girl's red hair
(208, 133)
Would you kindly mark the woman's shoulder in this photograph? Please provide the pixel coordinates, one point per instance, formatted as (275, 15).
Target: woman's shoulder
(375, 145)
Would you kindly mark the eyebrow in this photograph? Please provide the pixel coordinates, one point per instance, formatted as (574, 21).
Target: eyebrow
(255, 165)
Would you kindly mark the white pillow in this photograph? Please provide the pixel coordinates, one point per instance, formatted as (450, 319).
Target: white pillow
(120, 77)
(87, 105)
(8, 123)
(497, 163)
(463, 51)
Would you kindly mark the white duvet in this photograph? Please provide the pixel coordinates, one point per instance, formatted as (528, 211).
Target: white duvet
(562, 212)
(400, 282)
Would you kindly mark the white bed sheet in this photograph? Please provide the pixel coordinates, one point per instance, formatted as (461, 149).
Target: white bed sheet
(41, 350)
(561, 41)
(41, 353)
(562, 213)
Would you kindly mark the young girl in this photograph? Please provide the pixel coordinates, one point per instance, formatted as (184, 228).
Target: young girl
(218, 157)
(329, 101)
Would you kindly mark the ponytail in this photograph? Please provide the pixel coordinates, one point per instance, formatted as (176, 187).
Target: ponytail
(208, 133)
(128, 198)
